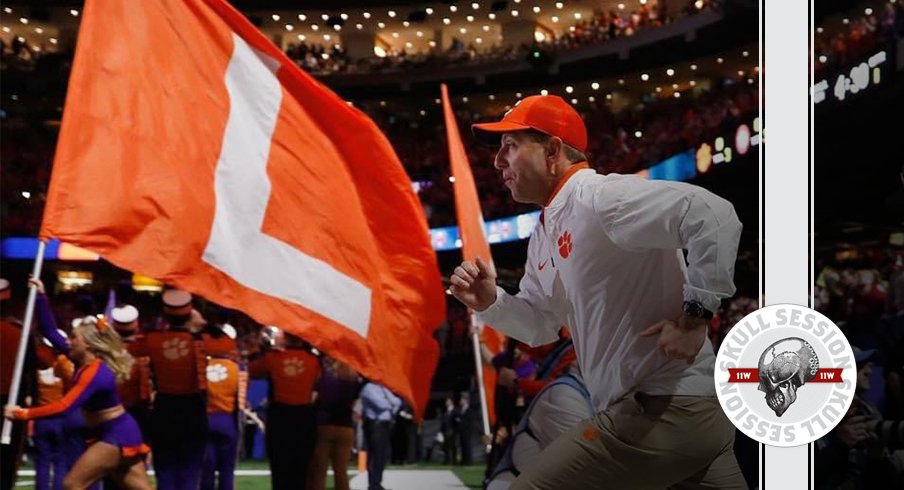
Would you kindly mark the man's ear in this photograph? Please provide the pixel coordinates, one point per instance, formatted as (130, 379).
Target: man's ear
(554, 147)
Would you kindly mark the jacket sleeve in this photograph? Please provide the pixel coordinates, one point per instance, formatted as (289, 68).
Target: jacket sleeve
(640, 214)
(528, 315)
(74, 398)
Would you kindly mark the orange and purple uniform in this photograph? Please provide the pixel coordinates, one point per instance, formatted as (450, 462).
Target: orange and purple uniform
(93, 390)
(292, 374)
(227, 383)
(136, 390)
(47, 437)
(178, 421)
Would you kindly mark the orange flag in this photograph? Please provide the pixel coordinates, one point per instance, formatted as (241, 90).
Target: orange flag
(471, 228)
(192, 150)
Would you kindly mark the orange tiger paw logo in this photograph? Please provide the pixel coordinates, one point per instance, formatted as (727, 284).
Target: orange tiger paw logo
(565, 245)
(175, 349)
(590, 434)
(293, 367)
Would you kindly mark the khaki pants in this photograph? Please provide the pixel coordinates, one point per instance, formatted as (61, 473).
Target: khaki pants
(642, 442)
(334, 445)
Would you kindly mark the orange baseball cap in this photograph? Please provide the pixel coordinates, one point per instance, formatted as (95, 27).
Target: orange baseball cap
(548, 114)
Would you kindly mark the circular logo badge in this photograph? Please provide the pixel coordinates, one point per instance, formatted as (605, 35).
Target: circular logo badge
(785, 375)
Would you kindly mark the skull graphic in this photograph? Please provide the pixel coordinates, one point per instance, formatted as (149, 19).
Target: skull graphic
(784, 367)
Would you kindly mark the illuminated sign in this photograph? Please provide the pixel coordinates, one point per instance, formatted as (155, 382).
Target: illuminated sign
(719, 151)
(861, 77)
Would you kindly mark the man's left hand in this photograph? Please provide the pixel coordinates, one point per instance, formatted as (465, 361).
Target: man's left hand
(679, 339)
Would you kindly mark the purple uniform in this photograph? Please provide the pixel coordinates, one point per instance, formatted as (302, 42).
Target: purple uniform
(93, 389)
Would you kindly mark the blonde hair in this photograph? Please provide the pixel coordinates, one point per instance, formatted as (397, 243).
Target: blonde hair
(105, 343)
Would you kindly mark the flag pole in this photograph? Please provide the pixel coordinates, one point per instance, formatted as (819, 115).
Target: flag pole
(478, 360)
(23, 342)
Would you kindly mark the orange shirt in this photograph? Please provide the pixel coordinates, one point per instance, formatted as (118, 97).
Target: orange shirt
(222, 346)
(178, 361)
(223, 380)
(50, 387)
(292, 374)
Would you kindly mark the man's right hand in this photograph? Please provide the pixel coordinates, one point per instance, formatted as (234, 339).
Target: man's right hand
(474, 284)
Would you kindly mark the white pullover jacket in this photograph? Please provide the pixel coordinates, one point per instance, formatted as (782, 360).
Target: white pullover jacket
(606, 260)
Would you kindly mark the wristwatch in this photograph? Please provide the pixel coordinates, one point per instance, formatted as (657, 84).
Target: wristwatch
(697, 310)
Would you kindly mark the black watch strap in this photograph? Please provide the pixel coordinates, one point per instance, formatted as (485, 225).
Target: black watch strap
(696, 309)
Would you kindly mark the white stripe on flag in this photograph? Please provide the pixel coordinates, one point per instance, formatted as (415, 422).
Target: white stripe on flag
(236, 245)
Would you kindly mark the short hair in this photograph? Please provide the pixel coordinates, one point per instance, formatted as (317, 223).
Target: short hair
(571, 153)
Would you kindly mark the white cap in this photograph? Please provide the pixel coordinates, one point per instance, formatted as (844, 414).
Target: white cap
(176, 302)
(124, 314)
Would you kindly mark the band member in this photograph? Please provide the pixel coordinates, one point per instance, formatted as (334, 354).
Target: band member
(178, 422)
(227, 386)
(292, 371)
(135, 392)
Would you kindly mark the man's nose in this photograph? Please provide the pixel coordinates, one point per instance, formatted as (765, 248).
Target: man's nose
(500, 162)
